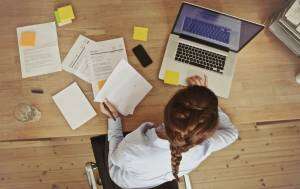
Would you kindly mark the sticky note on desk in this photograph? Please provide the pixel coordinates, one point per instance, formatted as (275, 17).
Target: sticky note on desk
(27, 38)
(65, 13)
(101, 83)
(140, 33)
(171, 77)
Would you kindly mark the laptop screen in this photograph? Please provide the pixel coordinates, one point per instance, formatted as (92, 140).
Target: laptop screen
(215, 27)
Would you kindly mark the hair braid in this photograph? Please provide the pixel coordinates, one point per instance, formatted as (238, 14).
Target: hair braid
(175, 159)
(190, 117)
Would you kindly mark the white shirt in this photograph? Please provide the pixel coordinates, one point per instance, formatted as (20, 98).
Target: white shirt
(143, 160)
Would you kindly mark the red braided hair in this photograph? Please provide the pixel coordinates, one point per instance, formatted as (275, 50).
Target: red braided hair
(190, 117)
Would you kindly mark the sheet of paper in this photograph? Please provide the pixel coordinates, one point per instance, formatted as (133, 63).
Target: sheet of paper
(125, 88)
(171, 77)
(103, 57)
(74, 106)
(293, 14)
(140, 33)
(44, 57)
(76, 61)
(298, 29)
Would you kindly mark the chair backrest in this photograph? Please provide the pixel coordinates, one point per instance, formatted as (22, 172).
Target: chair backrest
(100, 149)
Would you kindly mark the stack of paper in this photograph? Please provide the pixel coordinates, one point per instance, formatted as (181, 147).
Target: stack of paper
(93, 61)
(38, 48)
(104, 65)
(74, 106)
(64, 15)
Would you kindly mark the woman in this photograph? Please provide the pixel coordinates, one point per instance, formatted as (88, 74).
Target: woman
(193, 128)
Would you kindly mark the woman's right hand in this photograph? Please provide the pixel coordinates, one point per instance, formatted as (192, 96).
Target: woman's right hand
(197, 80)
(111, 107)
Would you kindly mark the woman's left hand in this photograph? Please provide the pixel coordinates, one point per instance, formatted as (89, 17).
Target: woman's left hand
(197, 80)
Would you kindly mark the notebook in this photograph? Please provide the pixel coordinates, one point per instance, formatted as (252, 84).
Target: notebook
(125, 88)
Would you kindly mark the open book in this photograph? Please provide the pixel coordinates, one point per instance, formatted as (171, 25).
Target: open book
(125, 88)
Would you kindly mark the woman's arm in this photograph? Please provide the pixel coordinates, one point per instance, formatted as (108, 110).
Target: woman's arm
(115, 134)
(225, 134)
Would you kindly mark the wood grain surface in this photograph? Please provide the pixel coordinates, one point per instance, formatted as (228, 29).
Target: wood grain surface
(263, 89)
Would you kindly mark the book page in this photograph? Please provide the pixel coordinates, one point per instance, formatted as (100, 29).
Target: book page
(125, 88)
(43, 57)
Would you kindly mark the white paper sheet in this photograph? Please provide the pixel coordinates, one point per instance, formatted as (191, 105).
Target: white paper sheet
(74, 106)
(125, 88)
(103, 57)
(76, 61)
(293, 14)
(44, 57)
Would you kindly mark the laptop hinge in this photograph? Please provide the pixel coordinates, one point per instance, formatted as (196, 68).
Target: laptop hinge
(189, 38)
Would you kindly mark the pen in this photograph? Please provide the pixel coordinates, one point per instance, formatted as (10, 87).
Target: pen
(37, 91)
(110, 113)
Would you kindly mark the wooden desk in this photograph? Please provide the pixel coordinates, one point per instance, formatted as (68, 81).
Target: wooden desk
(263, 89)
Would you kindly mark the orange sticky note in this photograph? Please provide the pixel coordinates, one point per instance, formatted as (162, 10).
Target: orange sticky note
(27, 38)
(101, 83)
(171, 77)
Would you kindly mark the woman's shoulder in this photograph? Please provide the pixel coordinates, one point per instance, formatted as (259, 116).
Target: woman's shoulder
(140, 134)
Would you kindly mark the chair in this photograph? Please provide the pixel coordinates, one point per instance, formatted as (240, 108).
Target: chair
(100, 149)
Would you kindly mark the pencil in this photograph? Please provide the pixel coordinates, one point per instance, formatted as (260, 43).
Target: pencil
(110, 113)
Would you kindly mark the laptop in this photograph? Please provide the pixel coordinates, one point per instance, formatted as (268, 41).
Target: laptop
(204, 41)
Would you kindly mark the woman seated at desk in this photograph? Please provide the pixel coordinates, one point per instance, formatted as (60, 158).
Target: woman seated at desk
(192, 129)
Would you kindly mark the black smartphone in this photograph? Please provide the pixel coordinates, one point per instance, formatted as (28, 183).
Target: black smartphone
(142, 55)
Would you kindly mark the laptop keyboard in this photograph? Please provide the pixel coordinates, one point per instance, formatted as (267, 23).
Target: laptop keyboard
(201, 58)
(208, 30)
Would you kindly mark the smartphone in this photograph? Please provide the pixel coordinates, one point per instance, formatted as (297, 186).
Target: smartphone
(142, 55)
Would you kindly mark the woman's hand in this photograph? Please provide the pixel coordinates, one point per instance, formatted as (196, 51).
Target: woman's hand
(197, 80)
(111, 107)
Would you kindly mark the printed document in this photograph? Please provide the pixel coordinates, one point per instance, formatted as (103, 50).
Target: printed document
(125, 88)
(76, 60)
(43, 56)
(103, 57)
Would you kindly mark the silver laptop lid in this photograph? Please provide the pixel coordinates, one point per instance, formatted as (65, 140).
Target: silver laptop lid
(215, 28)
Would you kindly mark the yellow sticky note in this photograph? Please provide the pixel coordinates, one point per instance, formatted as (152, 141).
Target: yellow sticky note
(171, 77)
(140, 33)
(101, 83)
(27, 38)
(65, 13)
